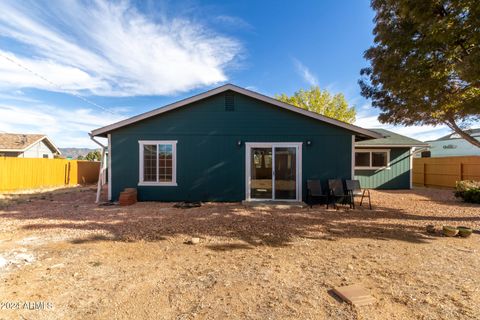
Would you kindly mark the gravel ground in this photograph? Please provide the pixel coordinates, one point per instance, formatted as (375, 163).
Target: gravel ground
(109, 262)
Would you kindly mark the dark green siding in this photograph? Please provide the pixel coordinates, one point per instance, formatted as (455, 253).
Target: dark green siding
(210, 165)
(395, 177)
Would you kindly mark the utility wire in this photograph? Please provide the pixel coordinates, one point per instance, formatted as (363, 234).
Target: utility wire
(57, 86)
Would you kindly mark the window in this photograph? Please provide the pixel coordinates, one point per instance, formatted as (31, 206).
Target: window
(372, 159)
(45, 156)
(262, 159)
(158, 163)
(379, 159)
(362, 159)
(426, 154)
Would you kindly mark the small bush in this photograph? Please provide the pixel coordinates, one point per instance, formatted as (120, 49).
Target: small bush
(468, 190)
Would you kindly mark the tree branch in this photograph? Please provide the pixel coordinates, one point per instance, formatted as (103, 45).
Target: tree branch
(452, 125)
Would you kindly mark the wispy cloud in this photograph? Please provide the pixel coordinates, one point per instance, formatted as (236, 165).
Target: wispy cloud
(232, 21)
(305, 73)
(67, 127)
(367, 117)
(16, 97)
(110, 49)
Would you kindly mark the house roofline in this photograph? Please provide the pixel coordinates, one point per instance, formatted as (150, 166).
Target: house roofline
(391, 145)
(31, 144)
(57, 150)
(361, 131)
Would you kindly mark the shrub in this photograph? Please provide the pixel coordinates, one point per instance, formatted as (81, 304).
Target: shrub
(472, 195)
(468, 190)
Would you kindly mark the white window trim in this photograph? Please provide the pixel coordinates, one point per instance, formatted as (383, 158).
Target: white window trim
(370, 151)
(141, 144)
(299, 184)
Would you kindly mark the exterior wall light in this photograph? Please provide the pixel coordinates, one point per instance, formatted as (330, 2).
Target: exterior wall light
(309, 143)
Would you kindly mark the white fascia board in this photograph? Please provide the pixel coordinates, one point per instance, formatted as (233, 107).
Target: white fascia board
(390, 145)
(252, 94)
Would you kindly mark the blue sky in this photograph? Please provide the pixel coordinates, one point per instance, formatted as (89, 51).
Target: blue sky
(130, 57)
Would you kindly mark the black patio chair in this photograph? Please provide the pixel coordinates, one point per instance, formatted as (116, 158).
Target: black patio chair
(337, 193)
(314, 192)
(355, 190)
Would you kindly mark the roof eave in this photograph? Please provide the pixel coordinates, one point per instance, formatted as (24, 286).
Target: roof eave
(391, 145)
(11, 150)
(52, 146)
(102, 132)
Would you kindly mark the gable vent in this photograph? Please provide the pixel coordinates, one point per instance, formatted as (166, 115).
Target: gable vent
(229, 101)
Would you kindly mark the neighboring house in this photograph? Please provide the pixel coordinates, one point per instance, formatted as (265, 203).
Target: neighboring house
(228, 144)
(386, 163)
(27, 146)
(453, 145)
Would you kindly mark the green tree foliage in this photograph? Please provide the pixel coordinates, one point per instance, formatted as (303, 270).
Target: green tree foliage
(425, 63)
(322, 102)
(80, 157)
(93, 156)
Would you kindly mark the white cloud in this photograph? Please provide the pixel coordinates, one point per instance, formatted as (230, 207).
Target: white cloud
(367, 117)
(67, 128)
(17, 97)
(252, 88)
(66, 77)
(305, 73)
(110, 49)
(233, 22)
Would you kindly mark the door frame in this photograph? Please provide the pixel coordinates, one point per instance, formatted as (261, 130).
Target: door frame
(273, 145)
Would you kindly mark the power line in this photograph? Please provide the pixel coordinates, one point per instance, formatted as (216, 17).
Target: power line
(57, 86)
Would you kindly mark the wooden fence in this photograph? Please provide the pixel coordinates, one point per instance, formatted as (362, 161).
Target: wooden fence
(445, 171)
(33, 173)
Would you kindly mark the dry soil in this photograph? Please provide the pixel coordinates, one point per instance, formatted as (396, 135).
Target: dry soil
(63, 257)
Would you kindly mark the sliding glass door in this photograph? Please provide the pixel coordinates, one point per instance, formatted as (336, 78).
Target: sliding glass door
(261, 183)
(285, 173)
(273, 171)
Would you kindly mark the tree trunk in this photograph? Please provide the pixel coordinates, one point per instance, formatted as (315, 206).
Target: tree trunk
(452, 125)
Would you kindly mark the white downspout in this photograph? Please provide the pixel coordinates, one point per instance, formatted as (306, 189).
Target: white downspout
(102, 164)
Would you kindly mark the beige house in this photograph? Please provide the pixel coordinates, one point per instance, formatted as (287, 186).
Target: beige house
(27, 146)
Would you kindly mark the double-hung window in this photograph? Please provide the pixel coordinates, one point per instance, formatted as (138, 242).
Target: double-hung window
(372, 159)
(158, 163)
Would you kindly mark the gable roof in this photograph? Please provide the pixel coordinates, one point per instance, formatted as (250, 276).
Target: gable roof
(19, 142)
(390, 139)
(454, 135)
(358, 130)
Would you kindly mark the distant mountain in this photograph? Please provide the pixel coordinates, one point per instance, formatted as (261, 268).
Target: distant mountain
(75, 152)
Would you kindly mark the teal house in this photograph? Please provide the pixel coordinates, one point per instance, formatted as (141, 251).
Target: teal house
(386, 163)
(233, 144)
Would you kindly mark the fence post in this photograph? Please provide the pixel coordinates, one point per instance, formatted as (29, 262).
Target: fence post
(461, 171)
(424, 174)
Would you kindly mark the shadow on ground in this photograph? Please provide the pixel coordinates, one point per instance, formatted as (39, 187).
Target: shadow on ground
(12, 198)
(254, 227)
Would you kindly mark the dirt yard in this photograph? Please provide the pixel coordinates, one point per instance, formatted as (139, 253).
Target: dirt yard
(63, 257)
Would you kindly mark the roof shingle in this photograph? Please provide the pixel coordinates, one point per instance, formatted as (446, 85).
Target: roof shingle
(18, 141)
(390, 139)
(454, 135)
